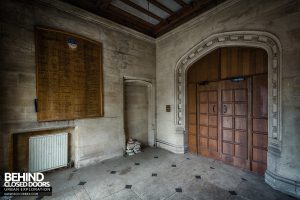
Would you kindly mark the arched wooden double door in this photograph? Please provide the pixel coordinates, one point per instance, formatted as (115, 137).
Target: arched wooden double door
(227, 108)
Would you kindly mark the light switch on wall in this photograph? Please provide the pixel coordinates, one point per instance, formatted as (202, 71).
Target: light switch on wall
(168, 108)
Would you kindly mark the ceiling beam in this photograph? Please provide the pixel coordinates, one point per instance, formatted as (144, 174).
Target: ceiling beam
(103, 4)
(183, 15)
(143, 10)
(181, 3)
(114, 14)
(105, 9)
(161, 6)
(129, 16)
(122, 17)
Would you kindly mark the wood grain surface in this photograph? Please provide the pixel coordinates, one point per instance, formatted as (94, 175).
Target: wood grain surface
(69, 80)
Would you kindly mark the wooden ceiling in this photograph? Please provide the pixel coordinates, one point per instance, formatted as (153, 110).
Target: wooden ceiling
(151, 17)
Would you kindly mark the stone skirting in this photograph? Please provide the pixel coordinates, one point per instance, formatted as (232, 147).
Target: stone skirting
(171, 147)
(283, 184)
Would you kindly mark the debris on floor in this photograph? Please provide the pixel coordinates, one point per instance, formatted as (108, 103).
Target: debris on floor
(133, 147)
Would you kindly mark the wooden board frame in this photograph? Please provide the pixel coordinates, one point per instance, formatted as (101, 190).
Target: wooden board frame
(20, 146)
(99, 105)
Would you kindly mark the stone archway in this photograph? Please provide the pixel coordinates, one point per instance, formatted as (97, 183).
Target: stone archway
(151, 106)
(272, 46)
(258, 39)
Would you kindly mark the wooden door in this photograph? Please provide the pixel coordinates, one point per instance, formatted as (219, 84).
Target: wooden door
(228, 120)
(234, 123)
(192, 118)
(259, 123)
(207, 119)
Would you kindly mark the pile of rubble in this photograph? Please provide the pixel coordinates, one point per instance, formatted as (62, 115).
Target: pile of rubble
(133, 147)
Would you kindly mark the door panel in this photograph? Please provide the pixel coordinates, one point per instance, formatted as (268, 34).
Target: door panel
(203, 144)
(203, 119)
(226, 95)
(260, 140)
(258, 167)
(207, 101)
(203, 107)
(240, 109)
(259, 123)
(213, 120)
(241, 151)
(213, 145)
(213, 133)
(227, 109)
(228, 149)
(203, 97)
(234, 130)
(227, 135)
(240, 95)
(227, 122)
(204, 131)
(213, 96)
(259, 155)
(240, 123)
(241, 137)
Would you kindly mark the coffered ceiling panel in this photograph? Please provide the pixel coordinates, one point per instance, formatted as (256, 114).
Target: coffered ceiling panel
(151, 17)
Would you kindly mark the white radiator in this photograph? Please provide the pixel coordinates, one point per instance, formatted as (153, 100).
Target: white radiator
(48, 152)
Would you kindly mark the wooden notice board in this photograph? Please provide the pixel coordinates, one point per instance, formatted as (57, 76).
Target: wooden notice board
(69, 76)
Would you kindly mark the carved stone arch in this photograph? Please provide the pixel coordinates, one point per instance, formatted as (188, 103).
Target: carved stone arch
(264, 40)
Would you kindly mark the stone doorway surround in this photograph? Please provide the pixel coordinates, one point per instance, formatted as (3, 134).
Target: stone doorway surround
(259, 39)
(151, 105)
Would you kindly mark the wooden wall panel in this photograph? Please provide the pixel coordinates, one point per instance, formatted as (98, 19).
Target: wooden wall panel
(242, 61)
(206, 69)
(69, 80)
(261, 61)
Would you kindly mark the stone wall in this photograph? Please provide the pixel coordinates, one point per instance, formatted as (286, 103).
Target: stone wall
(128, 53)
(125, 52)
(277, 17)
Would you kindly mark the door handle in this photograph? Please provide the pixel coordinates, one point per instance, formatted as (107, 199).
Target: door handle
(224, 109)
(214, 108)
